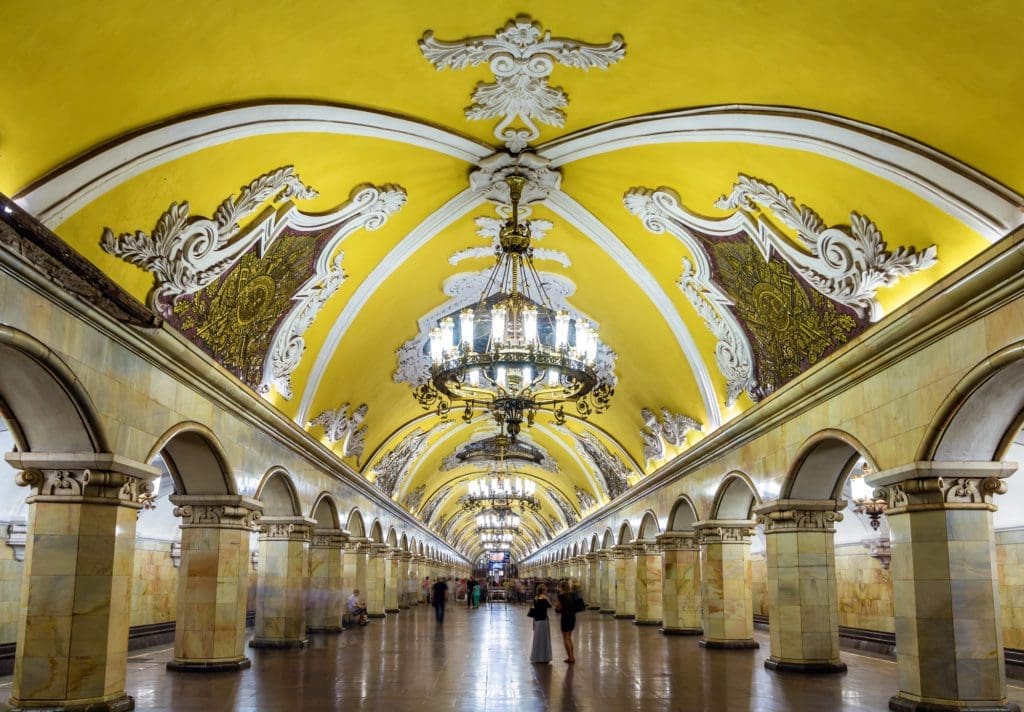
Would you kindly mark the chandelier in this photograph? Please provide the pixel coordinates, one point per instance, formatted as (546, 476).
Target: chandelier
(495, 538)
(497, 520)
(501, 490)
(513, 354)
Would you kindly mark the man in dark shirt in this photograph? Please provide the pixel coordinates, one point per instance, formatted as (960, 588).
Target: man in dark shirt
(438, 598)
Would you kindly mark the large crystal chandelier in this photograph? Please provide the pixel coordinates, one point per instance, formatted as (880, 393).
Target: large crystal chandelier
(513, 354)
(497, 522)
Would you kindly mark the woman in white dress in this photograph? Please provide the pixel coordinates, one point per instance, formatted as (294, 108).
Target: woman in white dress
(541, 650)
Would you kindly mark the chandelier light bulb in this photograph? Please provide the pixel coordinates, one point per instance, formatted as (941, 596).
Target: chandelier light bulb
(530, 325)
(498, 313)
(562, 330)
(501, 377)
(436, 348)
(466, 332)
(447, 334)
(474, 377)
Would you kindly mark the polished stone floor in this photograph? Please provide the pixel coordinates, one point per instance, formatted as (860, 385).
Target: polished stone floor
(477, 661)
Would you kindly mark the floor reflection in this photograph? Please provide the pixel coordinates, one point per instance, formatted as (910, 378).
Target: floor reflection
(479, 660)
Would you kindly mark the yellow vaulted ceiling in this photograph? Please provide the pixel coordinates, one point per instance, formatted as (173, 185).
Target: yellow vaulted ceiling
(899, 103)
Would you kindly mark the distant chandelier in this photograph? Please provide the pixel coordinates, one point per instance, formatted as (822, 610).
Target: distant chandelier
(503, 521)
(514, 354)
(501, 490)
(494, 538)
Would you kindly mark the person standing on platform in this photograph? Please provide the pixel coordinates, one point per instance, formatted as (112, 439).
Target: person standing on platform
(569, 604)
(540, 652)
(476, 595)
(470, 583)
(439, 596)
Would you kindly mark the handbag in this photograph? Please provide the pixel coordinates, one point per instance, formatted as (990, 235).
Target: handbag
(580, 604)
(532, 613)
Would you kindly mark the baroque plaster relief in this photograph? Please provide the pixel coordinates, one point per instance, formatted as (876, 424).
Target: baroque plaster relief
(670, 428)
(521, 57)
(247, 296)
(346, 426)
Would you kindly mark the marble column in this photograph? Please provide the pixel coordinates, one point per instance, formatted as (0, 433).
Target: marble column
(406, 582)
(648, 583)
(376, 564)
(393, 581)
(325, 603)
(593, 583)
(625, 581)
(803, 599)
(607, 581)
(72, 642)
(726, 583)
(283, 581)
(213, 581)
(949, 639)
(681, 583)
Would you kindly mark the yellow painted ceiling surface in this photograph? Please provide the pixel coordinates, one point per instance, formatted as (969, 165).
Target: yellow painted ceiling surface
(81, 75)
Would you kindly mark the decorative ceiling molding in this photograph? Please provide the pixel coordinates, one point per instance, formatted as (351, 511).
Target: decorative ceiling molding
(660, 211)
(464, 290)
(434, 502)
(670, 428)
(521, 58)
(983, 204)
(490, 178)
(584, 221)
(67, 190)
(341, 425)
(586, 501)
(185, 253)
(846, 264)
(437, 221)
(614, 472)
(188, 254)
(393, 465)
(569, 514)
(412, 500)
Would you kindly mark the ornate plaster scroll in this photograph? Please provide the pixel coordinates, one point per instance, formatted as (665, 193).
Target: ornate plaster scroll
(436, 500)
(569, 512)
(394, 465)
(369, 208)
(414, 498)
(586, 500)
(522, 58)
(345, 426)
(614, 472)
(660, 211)
(186, 253)
(845, 263)
(670, 428)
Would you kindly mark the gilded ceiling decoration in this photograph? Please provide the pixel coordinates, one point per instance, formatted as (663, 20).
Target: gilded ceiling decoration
(412, 500)
(586, 500)
(345, 425)
(434, 502)
(614, 473)
(247, 297)
(393, 466)
(521, 57)
(569, 513)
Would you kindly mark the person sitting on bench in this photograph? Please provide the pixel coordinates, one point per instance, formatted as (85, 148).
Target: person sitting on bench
(356, 610)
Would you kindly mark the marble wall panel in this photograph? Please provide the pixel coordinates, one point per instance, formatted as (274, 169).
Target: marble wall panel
(154, 583)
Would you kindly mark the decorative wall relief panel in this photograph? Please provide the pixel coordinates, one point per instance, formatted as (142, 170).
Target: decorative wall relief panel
(670, 428)
(776, 306)
(246, 297)
(586, 500)
(434, 502)
(392, 468)
(569, 512)
(522, 58)
(341, 425)
(412, 500)
(614, 473)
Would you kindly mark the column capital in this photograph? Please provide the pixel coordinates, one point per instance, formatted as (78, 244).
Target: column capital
(806, 515)
(724, 531)
(608, 553)
(941, 485)
(221, 511)
(377, 549)
(406, 556)
(591, 557)
(329, 539)
(643, 547)
(291, 528)
(678, 541)
(84, 478)
(623, 551)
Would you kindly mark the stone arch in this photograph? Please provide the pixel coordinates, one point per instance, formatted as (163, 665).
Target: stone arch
(649, 526)
(683, 515)
(584, 547)
(392, 538)
(355, 524)
(278, 494)
(625, 533)
(735, 498)
(575, 549)
(376, 532)
(983, 411)
(609, 539)
(404, 542)
(325, 512)
(824, 462)
(195, 459)
(44, 404)
(595, 543)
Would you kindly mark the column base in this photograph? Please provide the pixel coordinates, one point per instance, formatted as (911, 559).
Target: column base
(750, 644)
(640, 622)
(607, 611)
(121, 704)
(593, 608)
(376, 615)
(783, 666)
(624, 616)
(282, 643)
(212, 666)
(325, 629)
(681, 631)
(391, 610)
(902, 704)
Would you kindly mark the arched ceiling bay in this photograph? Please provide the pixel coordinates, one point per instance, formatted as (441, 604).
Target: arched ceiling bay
(345, 158)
